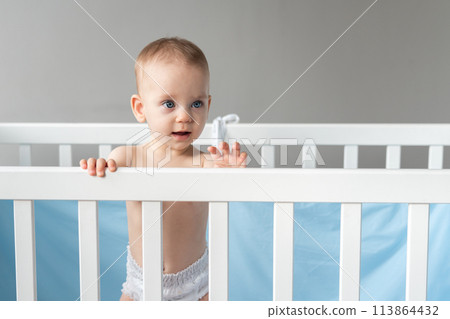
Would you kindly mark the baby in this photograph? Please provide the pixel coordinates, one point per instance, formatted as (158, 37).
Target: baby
(172, 78)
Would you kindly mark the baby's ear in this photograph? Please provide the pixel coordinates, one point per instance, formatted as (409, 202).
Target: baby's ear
(138, 108)
(209, 101)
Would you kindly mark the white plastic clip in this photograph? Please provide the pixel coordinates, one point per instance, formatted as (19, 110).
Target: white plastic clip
(219, 129)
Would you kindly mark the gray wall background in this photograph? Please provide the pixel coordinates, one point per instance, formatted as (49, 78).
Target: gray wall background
(392, 66)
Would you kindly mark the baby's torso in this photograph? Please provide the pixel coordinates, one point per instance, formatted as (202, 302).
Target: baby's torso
(184, 223)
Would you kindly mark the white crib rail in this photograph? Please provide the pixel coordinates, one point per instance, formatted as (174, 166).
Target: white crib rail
(391, 135)
(350, 187)
(263, 185)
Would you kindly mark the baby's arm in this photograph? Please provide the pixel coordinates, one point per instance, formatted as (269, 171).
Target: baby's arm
(98, 166)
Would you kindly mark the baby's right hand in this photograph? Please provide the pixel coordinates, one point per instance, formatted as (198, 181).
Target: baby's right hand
(97, 167)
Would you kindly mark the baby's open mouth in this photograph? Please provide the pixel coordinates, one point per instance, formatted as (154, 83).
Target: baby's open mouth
(181, 133)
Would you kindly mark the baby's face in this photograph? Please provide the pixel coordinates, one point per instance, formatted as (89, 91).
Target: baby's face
(178, 102)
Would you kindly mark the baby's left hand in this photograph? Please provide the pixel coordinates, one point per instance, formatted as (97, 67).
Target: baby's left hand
(235, 159)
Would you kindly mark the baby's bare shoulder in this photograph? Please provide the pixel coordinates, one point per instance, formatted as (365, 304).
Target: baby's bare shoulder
(122, 155)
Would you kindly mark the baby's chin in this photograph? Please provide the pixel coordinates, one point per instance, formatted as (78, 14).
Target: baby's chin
(179, 147)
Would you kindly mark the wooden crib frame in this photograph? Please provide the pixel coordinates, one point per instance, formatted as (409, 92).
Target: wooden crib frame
(349, 186)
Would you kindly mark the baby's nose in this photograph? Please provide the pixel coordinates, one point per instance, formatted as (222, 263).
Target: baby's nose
(184, 115)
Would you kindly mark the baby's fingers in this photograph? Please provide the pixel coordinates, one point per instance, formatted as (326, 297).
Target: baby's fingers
(235, 152)
(101, 164)
(215, 154)
(242, 160)
(91, 163)
(225, 148)
(83, 164)
(111, 164)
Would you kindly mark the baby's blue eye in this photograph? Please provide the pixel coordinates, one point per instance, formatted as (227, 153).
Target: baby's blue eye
(169, 104)
(197, 104)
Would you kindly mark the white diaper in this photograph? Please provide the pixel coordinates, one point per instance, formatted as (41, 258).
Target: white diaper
(190, 283)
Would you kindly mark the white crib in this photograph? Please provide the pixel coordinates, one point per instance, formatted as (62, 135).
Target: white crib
(283, 186)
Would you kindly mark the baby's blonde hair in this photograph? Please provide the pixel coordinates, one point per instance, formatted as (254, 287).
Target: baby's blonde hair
(169, 49)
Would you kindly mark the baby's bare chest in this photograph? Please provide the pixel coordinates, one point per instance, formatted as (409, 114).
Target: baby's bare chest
(192, 158)
(175, 214)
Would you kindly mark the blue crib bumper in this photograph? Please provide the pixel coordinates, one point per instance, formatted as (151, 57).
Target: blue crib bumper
(316, 269)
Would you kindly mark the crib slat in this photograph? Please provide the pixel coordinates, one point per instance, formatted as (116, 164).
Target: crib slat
(393, 156)
(417, 252)
(350, 245)
(283, 251)
(89, 250)
(104, 150)
(152, 250)
(351, 156)
(435, 156)
(283, 155)
(350, 251)
(218, 251)
(25, 250)
(25, 155)
(65, 155)
(268, 156)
